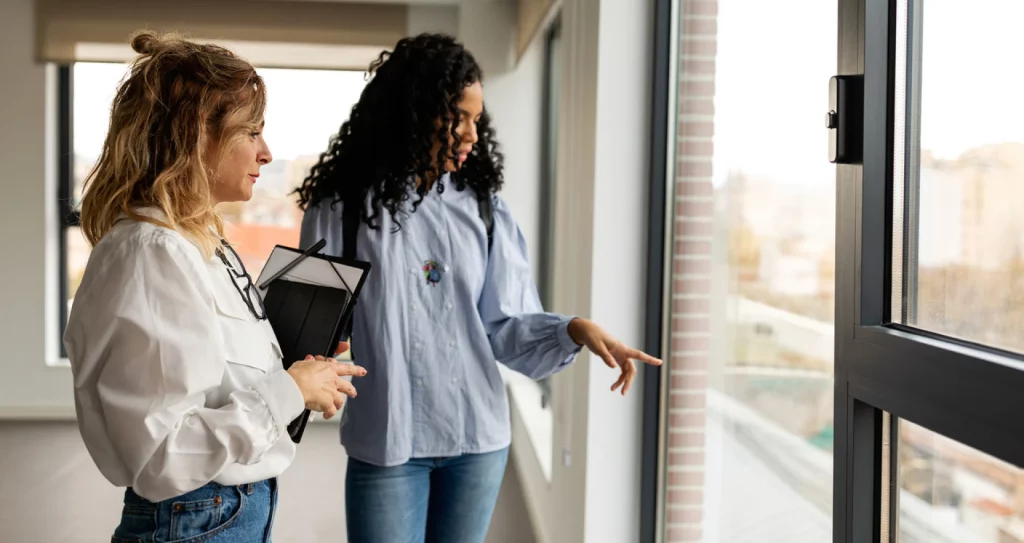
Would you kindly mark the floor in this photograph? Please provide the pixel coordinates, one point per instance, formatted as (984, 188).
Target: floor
(50, 491)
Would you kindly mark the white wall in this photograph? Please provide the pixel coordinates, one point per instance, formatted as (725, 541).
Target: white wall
(514, 101)
(442, 19)
(600, 261)
(28, 387)
(619, 264)
(488, 28)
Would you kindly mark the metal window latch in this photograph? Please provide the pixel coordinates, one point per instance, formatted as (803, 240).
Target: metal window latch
(845, 119)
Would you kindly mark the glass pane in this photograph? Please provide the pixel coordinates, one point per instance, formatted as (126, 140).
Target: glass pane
(305, 107)
(951, 493)
(95, 84)
(750, 368)
(964, 232)
(77, 255)
(532, 399)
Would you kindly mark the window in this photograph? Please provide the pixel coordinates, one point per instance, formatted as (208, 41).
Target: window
(549, 154)
(532, 399)
(923, 318)
(305, 107)
(964, 160)
(747, 428)
(929, 369)
(952, 492)
(549, 173)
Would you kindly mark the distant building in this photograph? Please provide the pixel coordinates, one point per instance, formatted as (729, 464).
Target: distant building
(970, 211)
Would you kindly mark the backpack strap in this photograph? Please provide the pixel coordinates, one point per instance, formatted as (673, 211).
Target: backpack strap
(349, 229)
(486, 209)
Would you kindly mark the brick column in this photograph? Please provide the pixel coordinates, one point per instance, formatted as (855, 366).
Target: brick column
(691, 272)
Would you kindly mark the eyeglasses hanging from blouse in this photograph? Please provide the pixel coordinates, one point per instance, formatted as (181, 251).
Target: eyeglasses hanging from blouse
(242, 280)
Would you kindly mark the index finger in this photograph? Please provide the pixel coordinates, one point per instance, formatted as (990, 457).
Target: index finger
(350, 369)
(644, 357)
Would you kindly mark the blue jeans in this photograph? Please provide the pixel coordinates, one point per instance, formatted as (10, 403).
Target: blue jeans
(431, 500)
(210, 514)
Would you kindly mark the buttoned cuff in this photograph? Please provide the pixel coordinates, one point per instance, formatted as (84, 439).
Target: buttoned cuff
(565, 341)
(283, 399)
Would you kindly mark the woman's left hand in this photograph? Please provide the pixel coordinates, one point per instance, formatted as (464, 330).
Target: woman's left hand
(614, 353)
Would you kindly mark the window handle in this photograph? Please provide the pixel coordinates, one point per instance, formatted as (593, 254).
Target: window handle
(845, 119)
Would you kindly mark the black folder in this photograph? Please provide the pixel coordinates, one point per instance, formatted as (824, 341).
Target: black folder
(309, 307)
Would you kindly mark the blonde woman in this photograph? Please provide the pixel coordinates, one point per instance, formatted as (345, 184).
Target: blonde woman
(179, 387)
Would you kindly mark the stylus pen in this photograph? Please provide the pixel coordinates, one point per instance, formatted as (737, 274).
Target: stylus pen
(312, 250)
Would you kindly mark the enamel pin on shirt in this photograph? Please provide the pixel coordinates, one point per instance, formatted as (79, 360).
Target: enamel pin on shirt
(432, 272)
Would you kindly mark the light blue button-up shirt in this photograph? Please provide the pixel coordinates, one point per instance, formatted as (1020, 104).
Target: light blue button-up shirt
(434, 315)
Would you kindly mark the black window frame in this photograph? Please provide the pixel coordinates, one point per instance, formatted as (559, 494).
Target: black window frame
(657, 284)
(548, 159)
(67, 215)
(548, 177)
(962, 390)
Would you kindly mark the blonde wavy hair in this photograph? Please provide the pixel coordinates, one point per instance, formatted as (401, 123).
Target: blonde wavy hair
(181, 106)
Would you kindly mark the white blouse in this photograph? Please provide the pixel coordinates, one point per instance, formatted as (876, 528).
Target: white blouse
(176, 382)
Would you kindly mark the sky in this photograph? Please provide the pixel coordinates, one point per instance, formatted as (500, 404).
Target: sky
(772, 83)
(771, 89)
(304, 107)
(972, 81)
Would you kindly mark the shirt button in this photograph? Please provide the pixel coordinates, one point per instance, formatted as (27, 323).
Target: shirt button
(419, 382)
(455, 380)
(412, 307)
(446, 268)
(451, 343)
(448, 306)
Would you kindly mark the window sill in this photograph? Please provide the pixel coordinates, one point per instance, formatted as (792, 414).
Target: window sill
(538, 421)
(59, 363)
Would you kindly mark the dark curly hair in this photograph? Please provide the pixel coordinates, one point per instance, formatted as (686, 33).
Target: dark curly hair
(384, 147)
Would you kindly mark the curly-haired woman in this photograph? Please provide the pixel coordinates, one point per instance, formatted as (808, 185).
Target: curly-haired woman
(410, 184)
